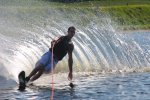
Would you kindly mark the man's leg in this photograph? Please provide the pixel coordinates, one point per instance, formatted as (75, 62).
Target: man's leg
(37, 75)
(36, 72)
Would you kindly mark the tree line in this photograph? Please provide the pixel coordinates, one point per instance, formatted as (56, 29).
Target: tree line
(71, 1)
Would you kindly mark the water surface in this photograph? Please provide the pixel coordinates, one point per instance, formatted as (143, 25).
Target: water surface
(127, 86)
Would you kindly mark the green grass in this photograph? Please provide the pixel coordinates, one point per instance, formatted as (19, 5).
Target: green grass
(94, 3)
(131, 16)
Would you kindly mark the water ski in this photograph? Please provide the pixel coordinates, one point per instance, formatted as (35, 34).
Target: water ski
(21, 78)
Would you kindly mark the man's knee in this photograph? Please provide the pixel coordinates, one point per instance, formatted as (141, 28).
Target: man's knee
(40, 67)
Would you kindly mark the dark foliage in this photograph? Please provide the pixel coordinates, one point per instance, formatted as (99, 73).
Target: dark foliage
(69, 1)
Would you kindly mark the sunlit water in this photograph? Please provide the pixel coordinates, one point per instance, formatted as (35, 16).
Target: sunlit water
(124, 83)
(127, 86)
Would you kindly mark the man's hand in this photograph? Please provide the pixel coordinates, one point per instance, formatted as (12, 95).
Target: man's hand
(70, 76)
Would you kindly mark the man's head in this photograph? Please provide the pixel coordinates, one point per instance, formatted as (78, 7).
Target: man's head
(71, 31)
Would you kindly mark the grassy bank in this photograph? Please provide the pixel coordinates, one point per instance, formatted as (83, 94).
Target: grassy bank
(131, 16)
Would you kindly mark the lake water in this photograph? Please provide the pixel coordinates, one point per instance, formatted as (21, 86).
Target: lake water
(95, 86)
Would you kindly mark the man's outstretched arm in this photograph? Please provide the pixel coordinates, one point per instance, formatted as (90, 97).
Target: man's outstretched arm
(70, 64)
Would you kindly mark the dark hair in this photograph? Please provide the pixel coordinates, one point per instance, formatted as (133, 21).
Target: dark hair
(71, 27)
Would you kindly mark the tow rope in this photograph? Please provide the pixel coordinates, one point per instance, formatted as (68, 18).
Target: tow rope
(52, 64)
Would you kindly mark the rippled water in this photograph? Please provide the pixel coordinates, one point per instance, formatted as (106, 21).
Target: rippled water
(128, 86)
